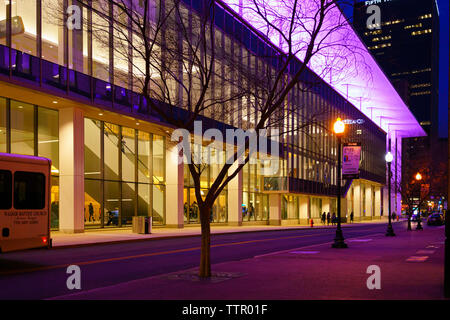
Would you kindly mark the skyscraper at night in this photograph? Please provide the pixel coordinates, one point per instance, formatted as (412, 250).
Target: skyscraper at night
(405, 43)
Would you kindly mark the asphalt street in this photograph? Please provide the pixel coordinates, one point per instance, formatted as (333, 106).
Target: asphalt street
(41, 274)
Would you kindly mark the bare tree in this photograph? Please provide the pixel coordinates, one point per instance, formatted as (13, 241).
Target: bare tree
(179, 61)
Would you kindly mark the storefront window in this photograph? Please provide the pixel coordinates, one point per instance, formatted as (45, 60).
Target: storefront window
(48, 137)
(52, 31)
(22, 128)
(111, 156)
(3, 147)
(92, 148)
(92, 203)
(129, 191)
(23, 13)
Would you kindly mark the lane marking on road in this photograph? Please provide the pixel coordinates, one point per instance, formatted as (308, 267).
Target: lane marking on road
(304, 252)
(89, 262)
(425, 251)
(312, 246)
(431, 246)
(417, 259)
(360, 240)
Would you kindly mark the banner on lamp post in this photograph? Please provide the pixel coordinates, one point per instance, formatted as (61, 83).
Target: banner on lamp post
(351, 153)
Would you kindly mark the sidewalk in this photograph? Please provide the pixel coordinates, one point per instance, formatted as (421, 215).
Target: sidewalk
(92, 237)
(411, 267)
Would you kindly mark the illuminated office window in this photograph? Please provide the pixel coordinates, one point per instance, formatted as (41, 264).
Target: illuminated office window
(52, 32)
(23, 26)
(22, 128)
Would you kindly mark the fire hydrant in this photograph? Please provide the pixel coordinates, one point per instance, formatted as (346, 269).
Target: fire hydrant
(312, 223)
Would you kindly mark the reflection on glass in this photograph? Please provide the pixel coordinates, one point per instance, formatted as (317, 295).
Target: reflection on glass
(22, 128)
(158, 204)
(92, 148)
(111, 211)
(111, 145)
(54, 203)
(48, 136)
(158, 159)
(52, 42)
(128, 154)
(23, 23)
(92, 202)
(144, 200)
(144, 160)
(128, 205)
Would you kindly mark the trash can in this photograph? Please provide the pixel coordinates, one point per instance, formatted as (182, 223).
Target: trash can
(142, 225)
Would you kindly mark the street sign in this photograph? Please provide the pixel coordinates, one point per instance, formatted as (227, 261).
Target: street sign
(351, 153)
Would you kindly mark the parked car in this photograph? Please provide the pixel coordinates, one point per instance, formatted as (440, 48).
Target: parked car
(435, 219)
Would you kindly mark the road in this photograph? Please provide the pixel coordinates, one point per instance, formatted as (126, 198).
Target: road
(41, 274)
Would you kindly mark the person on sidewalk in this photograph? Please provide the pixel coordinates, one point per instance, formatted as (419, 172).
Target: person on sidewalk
(328, 218)
(324, 218)
(333, 219)
(351, 217)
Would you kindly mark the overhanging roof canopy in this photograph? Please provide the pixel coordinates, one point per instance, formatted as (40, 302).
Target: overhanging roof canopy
(341, 59)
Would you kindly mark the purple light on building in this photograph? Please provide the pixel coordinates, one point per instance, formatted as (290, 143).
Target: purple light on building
(341, 60)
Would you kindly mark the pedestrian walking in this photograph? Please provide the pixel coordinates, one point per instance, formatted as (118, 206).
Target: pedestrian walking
(333, 219)
(324, 218)
(351, 217)
(328, 219)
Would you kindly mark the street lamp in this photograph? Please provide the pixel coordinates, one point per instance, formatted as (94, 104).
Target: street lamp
(419, 223)
(339, 128)
(389, 157)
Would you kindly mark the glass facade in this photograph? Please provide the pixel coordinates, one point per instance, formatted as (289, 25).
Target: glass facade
(32, 130)
(190, 207)
(125, 167)
(255, 204)
(124, 175)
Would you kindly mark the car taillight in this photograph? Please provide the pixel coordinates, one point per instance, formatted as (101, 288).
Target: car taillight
(44, 239)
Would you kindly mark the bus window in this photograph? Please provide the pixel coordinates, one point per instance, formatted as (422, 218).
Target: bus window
(5, 189)
(29, 190)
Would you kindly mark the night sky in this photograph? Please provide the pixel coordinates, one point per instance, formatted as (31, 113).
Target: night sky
(443, 7)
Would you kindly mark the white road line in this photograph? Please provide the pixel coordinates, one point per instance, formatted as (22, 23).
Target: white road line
(311, 246)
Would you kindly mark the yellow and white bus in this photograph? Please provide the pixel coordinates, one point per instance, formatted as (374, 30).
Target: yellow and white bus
(24, 202)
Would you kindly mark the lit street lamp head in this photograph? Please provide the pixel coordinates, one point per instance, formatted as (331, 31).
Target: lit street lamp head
(389, 157)
(418, 176)
(339, 126)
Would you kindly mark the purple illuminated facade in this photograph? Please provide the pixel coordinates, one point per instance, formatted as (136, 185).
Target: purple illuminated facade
(343, 61)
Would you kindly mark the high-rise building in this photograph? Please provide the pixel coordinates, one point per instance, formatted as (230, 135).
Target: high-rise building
(404, 40)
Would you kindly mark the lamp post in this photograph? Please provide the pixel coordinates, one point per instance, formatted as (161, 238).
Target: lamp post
(419, 223)
(390, 230)
(339, 128)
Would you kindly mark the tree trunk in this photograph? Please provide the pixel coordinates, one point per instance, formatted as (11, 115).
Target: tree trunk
(205, 261)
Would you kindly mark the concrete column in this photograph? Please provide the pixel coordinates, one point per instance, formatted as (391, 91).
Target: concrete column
(368, 204)
(275, 209)
(377, 202)
(174, 187)
(357, 201)
(71, 170)
(304, 213)
(235, 198)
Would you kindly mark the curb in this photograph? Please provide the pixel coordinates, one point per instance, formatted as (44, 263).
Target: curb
(108, 242)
